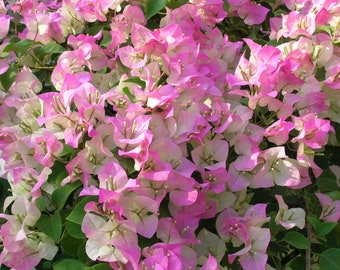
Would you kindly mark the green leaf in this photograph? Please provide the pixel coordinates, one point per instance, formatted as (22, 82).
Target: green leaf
(21, 47)
(95, 29)
(274, 228)
(336, 126)
(50, 225)
(333, 239)
(26, 43)
(69, 264)
(127, 93)
(61, 194)
(326, 228)
(330, 259)
(100, 266)
(314, 221)
(81, 253)
(320, 228)
(334, 195)
(5, 55)
(327, 181)
(298, 263)
(74, 230)
(296, 239)
(336, 43)
(51, 48)
(47, 265)
(106, 40)
(4, 191)
(269, 1)
(320, 74)
(40, 201)
(280, 11)
(70, 245)
(172, 4)
(78, 211)
(14, 39)
(57, 169)
(153, 6)
(7, 78)
(323, 28)
(138, 81)
(128, 164)
(68, 151)
(61, 177)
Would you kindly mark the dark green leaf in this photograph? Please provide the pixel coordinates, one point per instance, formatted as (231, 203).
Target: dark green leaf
(320, 74)
(333, 239)
(273, 42)
(7, 78)
(50, 225)
(4, 191)
(330, 259)
(95, 29)
(153, 6)
(74, 230)
(78, 211)
(298, 263)
(82, 253)
(147, 242)
(336, 126)
(274, 228)
(128, 164)
(70, 245)
(327, 181)
(132, 98)
(172, 4)
(69, 264)
(47, 265)
(269, 1)
(61, 177)
(57, 169)
(61, 194)
(326, 228)
(296, 239)
(100, 266)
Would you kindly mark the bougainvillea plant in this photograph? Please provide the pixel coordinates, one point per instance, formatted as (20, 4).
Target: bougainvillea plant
(154, 134)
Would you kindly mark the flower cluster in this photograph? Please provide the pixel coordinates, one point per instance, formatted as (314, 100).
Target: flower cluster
(155, 128)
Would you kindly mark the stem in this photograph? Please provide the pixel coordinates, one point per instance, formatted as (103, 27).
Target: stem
(43, 68)
(309, 238)
(308, 251)
(277, 265)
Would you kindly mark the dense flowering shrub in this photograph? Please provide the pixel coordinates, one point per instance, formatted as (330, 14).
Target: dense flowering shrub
(170, 134)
